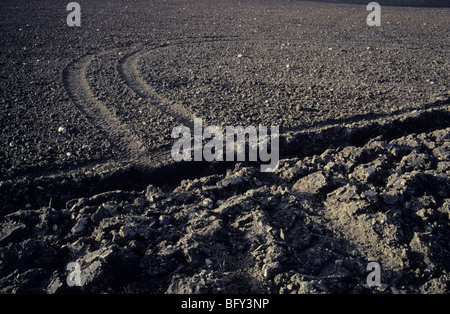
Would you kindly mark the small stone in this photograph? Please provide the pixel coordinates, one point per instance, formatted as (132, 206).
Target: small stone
(282, 234)
(207, 202)
(270, 269)
(62, 130)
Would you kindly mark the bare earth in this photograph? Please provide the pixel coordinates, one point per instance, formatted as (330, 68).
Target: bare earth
(86, 174)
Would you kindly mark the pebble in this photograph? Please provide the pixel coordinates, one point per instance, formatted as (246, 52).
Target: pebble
(209, 203)
(62, 130)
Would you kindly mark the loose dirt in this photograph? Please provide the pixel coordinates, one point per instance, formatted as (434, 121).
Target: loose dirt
(86, 174)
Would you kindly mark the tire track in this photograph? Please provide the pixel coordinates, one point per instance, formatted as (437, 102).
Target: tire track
(132, 149)
(129, 145)
(129, 71)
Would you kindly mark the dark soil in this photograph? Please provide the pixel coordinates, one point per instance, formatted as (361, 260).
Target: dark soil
(87, 115)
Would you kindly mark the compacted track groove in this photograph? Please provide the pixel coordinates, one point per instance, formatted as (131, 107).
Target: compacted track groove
(129, 145)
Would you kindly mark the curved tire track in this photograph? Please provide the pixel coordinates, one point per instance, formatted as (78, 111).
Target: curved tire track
(131, 148)
(129, 71)
(75, 81)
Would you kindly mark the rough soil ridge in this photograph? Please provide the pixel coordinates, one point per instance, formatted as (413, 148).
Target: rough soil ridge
(310, 227)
